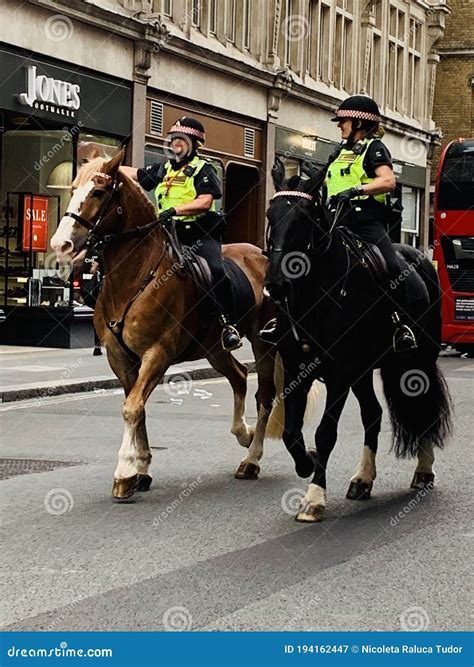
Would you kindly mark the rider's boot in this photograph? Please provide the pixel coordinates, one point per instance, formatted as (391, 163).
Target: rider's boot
(269, 332)
(403, 337)
(230, 337)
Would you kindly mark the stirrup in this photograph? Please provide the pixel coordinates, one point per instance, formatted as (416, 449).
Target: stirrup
(268, 333)
(229, 329)
(403, 339)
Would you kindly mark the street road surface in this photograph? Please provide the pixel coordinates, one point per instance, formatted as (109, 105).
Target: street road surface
(204, 551)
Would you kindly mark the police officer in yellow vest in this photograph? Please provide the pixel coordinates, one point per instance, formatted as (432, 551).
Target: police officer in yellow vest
(186, 187)
(359, 178)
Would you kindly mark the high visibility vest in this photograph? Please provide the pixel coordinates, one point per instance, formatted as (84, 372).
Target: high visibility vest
(347, 171)
(177, 187)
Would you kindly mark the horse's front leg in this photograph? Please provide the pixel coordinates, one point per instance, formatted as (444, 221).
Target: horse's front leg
(134, 455)
(371, 414)
(314, 502)
(295, 396)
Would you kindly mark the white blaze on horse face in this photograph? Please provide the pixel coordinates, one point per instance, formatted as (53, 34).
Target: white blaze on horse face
(69, 230)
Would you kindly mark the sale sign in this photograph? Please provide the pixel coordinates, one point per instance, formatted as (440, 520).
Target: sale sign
(35, 223)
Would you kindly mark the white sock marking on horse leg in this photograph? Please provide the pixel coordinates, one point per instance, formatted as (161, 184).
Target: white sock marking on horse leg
(255, 452)
(425, 457)
(127, 456)
(366, 471)
(240, 428)
(315, 497)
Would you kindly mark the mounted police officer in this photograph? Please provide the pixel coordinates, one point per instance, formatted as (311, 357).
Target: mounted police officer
(359, 178)
(186, 187)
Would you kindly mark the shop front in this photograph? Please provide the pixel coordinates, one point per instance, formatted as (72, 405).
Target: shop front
(53, 119)
(235, 146)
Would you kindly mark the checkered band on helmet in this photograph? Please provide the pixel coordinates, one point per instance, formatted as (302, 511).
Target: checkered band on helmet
(361, 107)
(363, 115)
(185, 126)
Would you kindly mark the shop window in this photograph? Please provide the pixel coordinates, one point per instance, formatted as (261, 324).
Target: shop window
(410, 215)
(292, 168)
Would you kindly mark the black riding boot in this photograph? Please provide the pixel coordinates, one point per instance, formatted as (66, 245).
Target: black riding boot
(230, 337)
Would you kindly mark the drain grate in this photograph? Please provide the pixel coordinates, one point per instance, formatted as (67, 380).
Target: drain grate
(13, 467)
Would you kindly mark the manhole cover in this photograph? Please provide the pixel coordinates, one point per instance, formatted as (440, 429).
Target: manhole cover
(13, 467)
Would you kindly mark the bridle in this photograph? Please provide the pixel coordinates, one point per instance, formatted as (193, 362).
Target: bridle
(93, 239)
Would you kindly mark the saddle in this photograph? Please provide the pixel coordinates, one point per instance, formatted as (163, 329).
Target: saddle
(191, 263)
(409, 259)
(367, 254)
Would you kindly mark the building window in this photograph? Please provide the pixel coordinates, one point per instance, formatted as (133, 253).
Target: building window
(230, 22)
(213, 16)
(395, 63)
(247, 17)
(343, 47)
(410, 214)
(196, 13)
(167, 7)
(414, 99)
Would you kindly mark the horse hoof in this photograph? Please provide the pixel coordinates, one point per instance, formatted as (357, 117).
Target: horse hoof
(247, 471)
(310, 514)
(306, 468)
(123, 489)
(359, 491)
(144, 482)
(422, 480)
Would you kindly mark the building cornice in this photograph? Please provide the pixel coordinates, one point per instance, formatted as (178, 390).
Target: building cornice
(449, 52)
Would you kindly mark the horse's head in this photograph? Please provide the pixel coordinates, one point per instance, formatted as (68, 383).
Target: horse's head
(293, 226)
(94, 205)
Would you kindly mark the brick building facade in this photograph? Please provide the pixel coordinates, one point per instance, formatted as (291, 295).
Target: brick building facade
(453, 109)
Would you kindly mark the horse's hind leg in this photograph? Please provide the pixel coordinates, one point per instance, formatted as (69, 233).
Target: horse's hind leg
(424, 474)
(371, 414)
(236, 373)
(265, 363)
(134, 455)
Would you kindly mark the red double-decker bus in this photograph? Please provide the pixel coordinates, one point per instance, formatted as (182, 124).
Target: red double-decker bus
(454, 242)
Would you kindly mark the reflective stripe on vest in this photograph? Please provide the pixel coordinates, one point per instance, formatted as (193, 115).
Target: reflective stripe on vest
(181, 190)
(347, 171)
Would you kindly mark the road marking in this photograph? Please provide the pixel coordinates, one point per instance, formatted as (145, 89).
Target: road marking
(51, 400)
(33, 368)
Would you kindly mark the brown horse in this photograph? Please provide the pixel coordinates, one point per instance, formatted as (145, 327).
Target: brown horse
(147, 315)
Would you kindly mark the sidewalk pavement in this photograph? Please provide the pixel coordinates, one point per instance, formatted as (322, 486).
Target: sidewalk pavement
(35, 372)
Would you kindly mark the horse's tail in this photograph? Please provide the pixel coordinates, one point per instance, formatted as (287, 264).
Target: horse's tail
(419, 404)
(276, 420)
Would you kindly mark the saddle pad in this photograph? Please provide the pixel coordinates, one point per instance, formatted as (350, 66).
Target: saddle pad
(242, 292)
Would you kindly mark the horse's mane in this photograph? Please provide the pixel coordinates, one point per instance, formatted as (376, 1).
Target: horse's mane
(88, 169)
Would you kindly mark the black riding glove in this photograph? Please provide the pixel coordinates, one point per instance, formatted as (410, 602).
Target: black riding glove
(344, 196)
(165, 217)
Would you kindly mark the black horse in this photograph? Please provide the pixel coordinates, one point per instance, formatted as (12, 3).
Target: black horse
(334, 325)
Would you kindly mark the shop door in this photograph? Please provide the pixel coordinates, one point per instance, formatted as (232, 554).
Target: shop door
(241, 204)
